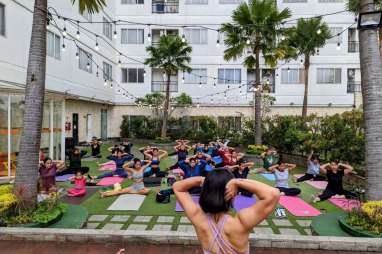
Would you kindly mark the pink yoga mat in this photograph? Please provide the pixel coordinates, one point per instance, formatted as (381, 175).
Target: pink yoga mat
(110, 181)
(298, 207)
(321, 185)
(345, 204)
(108, 166)
(242, 202)
(179, 208)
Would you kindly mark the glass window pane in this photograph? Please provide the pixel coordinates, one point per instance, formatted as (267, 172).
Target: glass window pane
(132, 36)
(124, 75)
(57, 47)
(132, 78)
(140, 35)
(2, 19)
(141, 75)
(221, 76)
(123, 36)
(50, 44)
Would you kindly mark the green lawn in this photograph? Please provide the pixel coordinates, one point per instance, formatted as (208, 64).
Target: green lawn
(97, 205)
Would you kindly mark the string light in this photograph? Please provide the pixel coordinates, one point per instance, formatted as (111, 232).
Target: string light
(63, 44)
(319, 31)
(288, 69)
(149, 35)
(105, 82)
(88, 66)
(64, 33)
(78, 31)
(119, 63)
(282, 37)
(115, 35)
(248, 41)
(47, 23)
(96, 47)
(338, 46)
(144, 73)
(218, 40)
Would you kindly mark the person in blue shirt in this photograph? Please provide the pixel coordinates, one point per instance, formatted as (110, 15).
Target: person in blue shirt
(193, 167)
(120, 159)
(313, 171)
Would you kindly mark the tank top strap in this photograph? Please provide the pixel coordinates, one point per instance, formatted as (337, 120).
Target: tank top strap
(218, 239)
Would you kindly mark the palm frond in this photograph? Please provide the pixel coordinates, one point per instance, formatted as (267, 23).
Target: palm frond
(90, 6)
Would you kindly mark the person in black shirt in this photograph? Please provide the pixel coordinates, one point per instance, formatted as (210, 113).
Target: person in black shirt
(241, 171)
(335, 172)
(181, 150)
(75, 157)
(96, 147)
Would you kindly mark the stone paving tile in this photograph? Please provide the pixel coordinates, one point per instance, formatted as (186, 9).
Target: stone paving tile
(162, 228)
(186, 229)
(165, 219)
(264, 223)
(142, 218)
(137, 227)
(97, 218)
(184, 219)
(263, 230)
(92, 225)
(289, 231)
(280, 222)
(304, 223)
(308, 231)
(120, 218)
(112, 226)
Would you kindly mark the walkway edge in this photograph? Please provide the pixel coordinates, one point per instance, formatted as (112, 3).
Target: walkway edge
(170, 237)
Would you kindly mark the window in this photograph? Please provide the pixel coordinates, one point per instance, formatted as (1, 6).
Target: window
(196, 2)
(292, 76)
(230, 1)
(229, 76)
(196, 35)
(107, 28)
(328, 76)
(53, 45)
(133, 75)
(85, 60)
(354, 80)
(334, 31)
(132, 2)
(194, 76)
(2, 19)
(132, 36)
(107, 71)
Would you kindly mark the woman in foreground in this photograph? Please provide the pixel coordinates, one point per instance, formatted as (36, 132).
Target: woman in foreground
(217, 230)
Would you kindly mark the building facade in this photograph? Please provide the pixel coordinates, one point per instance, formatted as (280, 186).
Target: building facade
(91, 84)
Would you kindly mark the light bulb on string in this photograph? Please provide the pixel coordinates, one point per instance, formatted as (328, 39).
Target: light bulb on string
(183, 38)
(88, 66)
(200, 84)
(288, 69)
(64, 33)
(77, 55)
(302, 62)
(47, 23)
(248, 41)
(97, 74)
(338, 46)
(105, 82)
(78, 31)
(115, 35)
(96, 47)
(111, 84)
(144, 73)
(282, 37)
(217, 43)
(119, 63)
(63, 48)
(149, 35)
(319, 31)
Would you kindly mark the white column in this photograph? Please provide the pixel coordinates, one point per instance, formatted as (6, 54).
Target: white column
(63, 119)
(51, 125)
(9, 135)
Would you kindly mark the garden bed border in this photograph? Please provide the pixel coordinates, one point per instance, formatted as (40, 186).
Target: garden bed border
(357, 245)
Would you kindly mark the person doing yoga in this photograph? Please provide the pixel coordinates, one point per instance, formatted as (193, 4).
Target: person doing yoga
(75, 157)
(48, 176)
(313, 172)
(136, 173)
(281, 172)
(181, 150)
(335, 172)
(270, 158)
(217, 230)
(120, 159)
(96, 147)
(155, 156)
(241, 171)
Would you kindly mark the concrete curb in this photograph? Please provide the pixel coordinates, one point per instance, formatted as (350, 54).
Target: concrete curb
(170, 237)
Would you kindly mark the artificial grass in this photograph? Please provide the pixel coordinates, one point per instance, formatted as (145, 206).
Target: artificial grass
(75, 217)
(97, 205)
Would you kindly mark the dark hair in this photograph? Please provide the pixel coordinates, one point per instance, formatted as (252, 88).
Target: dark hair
(47, 159)
(136, 160)
(315, 157)
(192, 159)
(118, 150)
(212, 198)
(155, 149)
(336, 161)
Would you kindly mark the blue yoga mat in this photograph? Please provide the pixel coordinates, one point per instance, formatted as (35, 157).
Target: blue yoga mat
(208, 168)
(217, 159)
(148, 169)
(269, 177)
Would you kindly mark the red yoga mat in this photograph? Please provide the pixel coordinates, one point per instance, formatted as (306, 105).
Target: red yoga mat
(298, 207)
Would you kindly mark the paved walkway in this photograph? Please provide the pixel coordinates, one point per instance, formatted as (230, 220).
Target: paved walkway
(182, 224)
(12, 247)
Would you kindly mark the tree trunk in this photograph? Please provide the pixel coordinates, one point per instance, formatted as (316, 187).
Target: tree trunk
(380, 42)
(28, 159)
(166, 107)
(257, 103)
(371, 73)
(306, 89)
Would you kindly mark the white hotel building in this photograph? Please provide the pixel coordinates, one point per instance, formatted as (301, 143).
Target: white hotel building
(78, 105)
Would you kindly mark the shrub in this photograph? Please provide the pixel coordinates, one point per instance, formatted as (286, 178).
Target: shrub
(125, 127)
(256, 149)
(368, 218)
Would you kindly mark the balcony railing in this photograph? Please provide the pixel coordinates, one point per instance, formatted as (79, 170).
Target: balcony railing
(160, 86)
(165, 7)
(353, 46)
(354, 87)
(268, 87)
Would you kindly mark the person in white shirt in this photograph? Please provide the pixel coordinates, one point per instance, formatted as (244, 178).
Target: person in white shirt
(281, 172)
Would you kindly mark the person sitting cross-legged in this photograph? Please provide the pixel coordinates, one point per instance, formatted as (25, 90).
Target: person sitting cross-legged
(281, 172)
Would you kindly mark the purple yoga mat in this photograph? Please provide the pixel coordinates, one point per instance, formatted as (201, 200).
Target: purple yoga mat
(242, 202)
(64, 178)
(179, 208)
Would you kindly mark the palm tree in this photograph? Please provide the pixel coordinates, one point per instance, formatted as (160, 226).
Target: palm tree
(170, 56)
(255, 28)
(355, 7)
(308, 35)
(28, 159)
(371, 73)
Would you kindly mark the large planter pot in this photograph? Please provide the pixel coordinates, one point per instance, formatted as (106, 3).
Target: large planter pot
(354, 231)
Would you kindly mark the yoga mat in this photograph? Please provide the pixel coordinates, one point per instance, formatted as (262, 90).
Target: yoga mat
(345, 204)
(298, 207)
(269, 176)
(78, 200)
(152, 181)
(217, 159)
(242, 202)
(64, 178)
(127, 202)
(321, 185)
(208, 168)
(110, 181)
(179, 208)
(148, 169)
(108, 166)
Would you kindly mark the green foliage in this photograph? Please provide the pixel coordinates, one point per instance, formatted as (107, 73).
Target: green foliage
(256, 149)
(90, 6)
(183, 100)
(125, 127)
(368, 218)
(340, 136)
